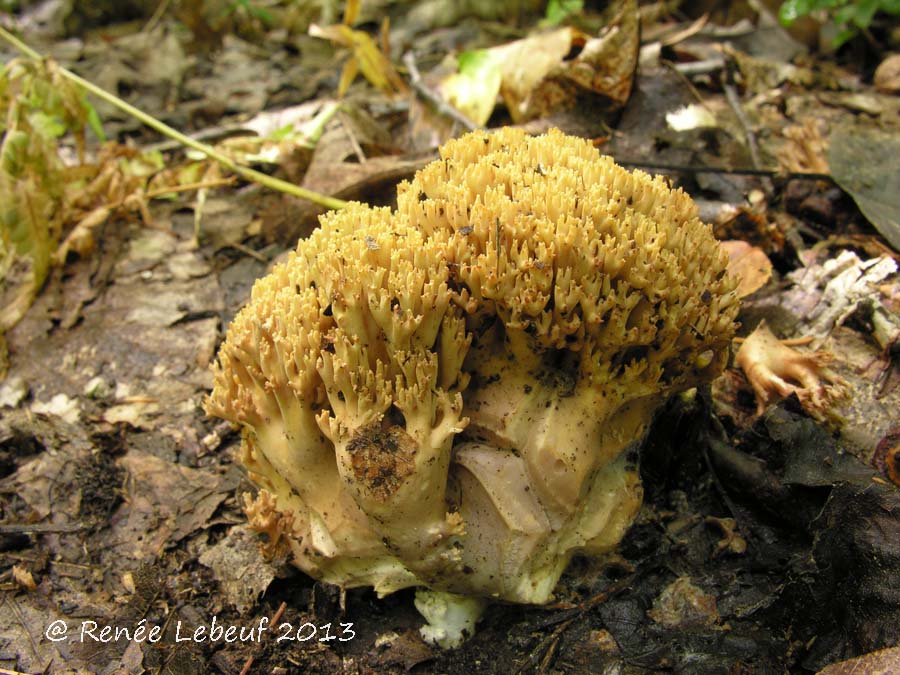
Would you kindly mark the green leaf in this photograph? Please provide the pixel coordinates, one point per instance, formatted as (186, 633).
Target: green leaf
(14, 153)
(560, 10)
(94, 122)
(50, 126)
(471, 63)
(843, 36)
(263, 15)
(791, 10)
(282, 133)
(843, 15)
(473, 90)
(865, 12)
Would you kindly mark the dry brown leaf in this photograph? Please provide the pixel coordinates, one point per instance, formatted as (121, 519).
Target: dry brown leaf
(535, 76)
(882, 662)
(887, 75)
(243, 575)
(23, 577)
(749, 264)
(165, 504)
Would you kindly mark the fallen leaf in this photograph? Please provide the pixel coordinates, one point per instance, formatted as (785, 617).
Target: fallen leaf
(825, 295)
(366, 58)
(749, 264)
(473, 90)
(61, 406)
(882, 662)
(865, 162)
(23, 577)
(406, 650)
(166, 503)
(242, 572)
(537, 75)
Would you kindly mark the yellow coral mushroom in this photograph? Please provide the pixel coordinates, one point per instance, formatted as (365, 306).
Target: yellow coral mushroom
(444, 396)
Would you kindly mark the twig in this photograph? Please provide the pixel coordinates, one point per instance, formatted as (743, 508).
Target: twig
(357, 148)
(684, 33)
(157, 15)
(788, 342)
(246, 250)
(683, 77)
(163, 128)
(770, 173)
(248, 664)
(725, 32)
(444, 108)
(187, 187)
(734, 101)
(548, 647)
(700, 67)
(213, 133)
(40, 528)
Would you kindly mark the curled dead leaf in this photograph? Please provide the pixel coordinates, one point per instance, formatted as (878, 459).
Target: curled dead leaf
(887, 456)
(366, 58)
(538, 74)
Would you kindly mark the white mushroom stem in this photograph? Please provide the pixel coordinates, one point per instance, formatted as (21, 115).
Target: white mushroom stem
(450, 618)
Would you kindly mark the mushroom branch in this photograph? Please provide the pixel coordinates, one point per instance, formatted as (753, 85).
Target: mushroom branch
(450, 395)
(163, 128)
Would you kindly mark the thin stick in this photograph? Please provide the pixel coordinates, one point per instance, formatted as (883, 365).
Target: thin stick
(354, 143)
(39, 528)
(246, 250)
(188, 187)
(734, 101)
(700, 67)
(157, 15)
(163, 128)
(771, 173)
(248, 664)
(444, 108)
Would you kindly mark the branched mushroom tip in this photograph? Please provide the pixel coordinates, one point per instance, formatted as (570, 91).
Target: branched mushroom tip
(776, 371)
(442, 396)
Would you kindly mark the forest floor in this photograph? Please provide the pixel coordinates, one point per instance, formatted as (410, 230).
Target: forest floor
(767, 543)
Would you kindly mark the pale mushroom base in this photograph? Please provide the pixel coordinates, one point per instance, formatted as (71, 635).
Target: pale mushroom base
(508, 551)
